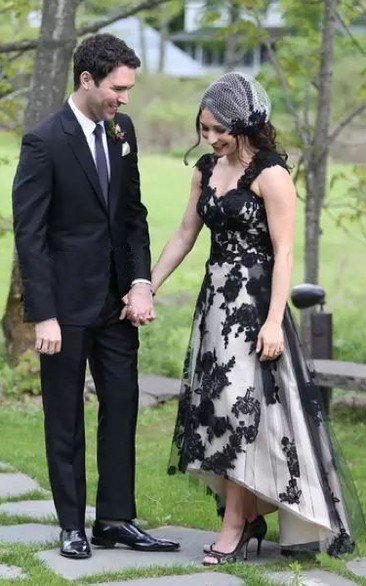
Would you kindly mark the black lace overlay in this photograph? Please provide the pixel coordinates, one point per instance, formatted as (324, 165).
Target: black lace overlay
(261, 424)
(292, 494)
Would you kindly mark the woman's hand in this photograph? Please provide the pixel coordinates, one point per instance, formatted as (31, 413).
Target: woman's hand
(270, 342)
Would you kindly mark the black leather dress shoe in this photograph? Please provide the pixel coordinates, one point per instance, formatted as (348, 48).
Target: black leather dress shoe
(74, 544)
(127, 533)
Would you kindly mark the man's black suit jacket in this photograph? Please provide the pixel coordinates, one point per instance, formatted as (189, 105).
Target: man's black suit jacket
(68, 240)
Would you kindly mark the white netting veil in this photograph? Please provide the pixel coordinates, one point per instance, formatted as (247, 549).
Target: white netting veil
(238, 102)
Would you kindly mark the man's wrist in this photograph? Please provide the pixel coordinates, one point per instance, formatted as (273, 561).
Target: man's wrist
(143, 282)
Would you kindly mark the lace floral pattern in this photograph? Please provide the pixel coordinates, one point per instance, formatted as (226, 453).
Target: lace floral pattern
(239, 417)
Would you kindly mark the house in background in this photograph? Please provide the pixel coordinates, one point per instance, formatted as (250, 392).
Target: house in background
(193, 51)
(209, 49)
(146, 42)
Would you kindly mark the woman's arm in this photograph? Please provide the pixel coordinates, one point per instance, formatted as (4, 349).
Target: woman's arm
(278, 191)
(182, 241)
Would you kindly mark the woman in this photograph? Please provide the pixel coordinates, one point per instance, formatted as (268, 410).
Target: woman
(250, 422)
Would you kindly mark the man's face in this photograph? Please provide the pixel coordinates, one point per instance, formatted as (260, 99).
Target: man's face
(102, 101)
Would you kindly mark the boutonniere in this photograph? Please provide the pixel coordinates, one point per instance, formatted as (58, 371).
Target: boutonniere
(114, 131)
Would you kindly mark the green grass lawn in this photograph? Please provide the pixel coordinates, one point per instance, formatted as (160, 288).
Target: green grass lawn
(173, 500)
(165, 185)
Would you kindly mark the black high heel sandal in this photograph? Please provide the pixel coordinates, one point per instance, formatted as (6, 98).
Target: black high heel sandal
(255, 529)
(260, 530)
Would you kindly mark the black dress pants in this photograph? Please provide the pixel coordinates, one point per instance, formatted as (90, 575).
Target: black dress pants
(110, 346)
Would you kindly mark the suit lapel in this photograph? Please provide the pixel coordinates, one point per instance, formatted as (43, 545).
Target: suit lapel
(78, 144)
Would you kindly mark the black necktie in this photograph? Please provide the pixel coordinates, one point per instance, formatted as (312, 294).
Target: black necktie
(101, 161)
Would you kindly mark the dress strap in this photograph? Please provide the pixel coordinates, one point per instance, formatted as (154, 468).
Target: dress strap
(262, 160)
(205, 164)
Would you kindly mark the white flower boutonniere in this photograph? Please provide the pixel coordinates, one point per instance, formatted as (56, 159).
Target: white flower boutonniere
(114, 131)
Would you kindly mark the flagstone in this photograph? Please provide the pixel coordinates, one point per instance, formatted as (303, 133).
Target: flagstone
(5, 467)
(16, 484)
(123, 558)
(29, 533)
(310, 578)
(11, 572)
(201, 579)
(39, 510)
(357, 566)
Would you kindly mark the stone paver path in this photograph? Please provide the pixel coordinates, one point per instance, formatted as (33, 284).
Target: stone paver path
(29, 533)
(4, 467)
(123, 558)
(152, 391)
(15, 484)
(201, 579)
(11, 572)
(357, 566)
(38, 510)
(310, 578)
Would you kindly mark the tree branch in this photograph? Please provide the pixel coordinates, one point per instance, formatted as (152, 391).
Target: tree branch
(30, 44)
(14, 94)
(351, 36)
(344, 122)
(290, 106)
(123, 13)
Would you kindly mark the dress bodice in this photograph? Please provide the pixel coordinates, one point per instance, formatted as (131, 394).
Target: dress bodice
(237, 220)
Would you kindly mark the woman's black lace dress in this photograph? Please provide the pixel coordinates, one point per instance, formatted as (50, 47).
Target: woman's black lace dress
(260, 424)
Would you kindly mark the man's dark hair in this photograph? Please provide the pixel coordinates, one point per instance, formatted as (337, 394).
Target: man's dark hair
(100, 54)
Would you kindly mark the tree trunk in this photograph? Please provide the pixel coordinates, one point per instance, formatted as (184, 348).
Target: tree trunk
(47, 91)
(231, 43)
(316, 163)
(143, 55)
(164, 36)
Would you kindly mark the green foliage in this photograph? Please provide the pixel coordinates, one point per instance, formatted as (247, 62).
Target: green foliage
(5, 225)
(22, 379)
(164, 110)
(15, 68)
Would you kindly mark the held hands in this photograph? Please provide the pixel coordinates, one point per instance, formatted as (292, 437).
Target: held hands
(138, 307)
(48, 336)
(270, 343)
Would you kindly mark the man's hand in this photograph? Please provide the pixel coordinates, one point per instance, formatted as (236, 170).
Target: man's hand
(139, 308)
(48, 336)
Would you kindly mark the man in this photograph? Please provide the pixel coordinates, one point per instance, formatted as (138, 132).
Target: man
(83, 244)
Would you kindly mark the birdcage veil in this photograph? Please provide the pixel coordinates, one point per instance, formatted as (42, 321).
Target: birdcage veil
(238, 102)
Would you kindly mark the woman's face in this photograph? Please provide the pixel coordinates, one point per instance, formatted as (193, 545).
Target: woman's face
(217, 136)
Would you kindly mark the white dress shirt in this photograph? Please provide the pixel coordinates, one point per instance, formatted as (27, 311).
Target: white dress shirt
(88, 127)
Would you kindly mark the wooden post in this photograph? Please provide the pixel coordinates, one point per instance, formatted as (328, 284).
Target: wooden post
(321, 346)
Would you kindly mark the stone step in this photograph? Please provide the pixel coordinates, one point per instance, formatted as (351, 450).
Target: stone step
(39, 510)
(16, 484)
(29, 533)
(11, 572)
(201, 579)
(123, 558)
(357, 566)
(310, 578)
(4, 467)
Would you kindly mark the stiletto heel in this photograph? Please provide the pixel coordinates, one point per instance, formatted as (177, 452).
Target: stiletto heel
(245, 550)
(254, 529)
(259, 545)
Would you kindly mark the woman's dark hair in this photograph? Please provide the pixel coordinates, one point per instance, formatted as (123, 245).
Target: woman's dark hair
(262, 139)
(99, 55)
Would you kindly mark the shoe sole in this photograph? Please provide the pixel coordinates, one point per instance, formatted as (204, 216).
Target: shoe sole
(106, 544)
(76, 557)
